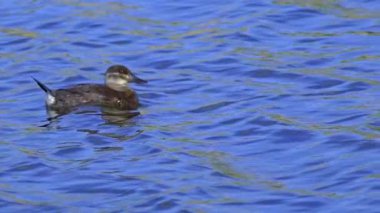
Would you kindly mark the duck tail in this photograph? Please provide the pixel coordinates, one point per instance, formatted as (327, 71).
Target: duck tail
(50, 98)
(43, 87)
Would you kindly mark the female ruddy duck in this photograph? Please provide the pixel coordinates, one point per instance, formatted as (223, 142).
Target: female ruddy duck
(114, 93)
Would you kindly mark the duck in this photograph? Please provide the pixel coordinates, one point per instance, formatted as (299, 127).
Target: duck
(114, 93)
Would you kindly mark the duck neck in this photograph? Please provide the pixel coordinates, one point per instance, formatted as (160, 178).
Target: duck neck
(118, 87)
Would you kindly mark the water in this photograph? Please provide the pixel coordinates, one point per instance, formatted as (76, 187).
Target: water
(251, 106)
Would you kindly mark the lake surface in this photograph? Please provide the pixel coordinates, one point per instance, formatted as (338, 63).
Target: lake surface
(251, 106)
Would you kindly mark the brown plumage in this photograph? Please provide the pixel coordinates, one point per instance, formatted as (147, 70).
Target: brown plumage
(95, 94)
(115, 93)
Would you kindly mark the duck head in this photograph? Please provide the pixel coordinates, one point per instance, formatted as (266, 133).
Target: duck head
(118, 77)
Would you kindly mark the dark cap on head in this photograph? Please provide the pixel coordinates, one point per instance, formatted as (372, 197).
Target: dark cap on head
(124, 71)
(121, 69)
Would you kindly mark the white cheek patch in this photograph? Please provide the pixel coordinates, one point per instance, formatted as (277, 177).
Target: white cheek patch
(117, 81)
(50, 99)
(122, 81)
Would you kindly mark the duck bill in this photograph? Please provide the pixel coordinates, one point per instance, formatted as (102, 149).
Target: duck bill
(138, 80)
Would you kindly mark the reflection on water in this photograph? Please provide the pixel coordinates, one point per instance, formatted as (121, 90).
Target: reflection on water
(109, 115)
(250, 105)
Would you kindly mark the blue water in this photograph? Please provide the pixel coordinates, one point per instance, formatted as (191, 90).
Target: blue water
(251, 106)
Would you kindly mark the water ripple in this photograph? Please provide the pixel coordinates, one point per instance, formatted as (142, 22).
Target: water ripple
(87, 44)
(270, 105)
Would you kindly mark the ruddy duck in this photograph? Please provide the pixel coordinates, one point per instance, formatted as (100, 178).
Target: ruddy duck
(114, 93)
